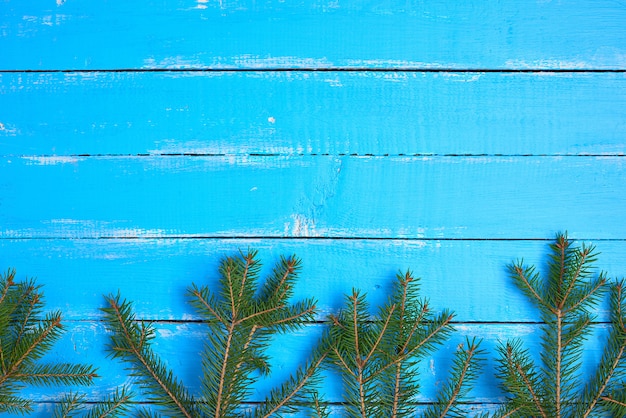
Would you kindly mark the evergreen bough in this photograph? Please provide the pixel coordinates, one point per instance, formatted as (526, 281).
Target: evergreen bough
(241, 319)
(25, 336)
(116, 405)
(378, 356)
(566, 299)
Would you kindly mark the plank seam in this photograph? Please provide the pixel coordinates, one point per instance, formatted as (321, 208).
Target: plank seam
(320, 70)
(340, 154)
(290, 238)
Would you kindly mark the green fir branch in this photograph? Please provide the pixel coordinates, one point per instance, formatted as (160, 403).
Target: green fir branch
(116, 405)
(598, 390)
(56, 374)
(241, 318)
(130, 342)
(298, 390)
(377, 356)
(566, 298)
(71, 404)
(25, 337)
(520, 378)
(246, 317)
(467, 362)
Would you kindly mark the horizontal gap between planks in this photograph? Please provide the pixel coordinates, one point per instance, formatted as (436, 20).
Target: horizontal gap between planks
(340, 154)
(318, 322)
(254, 404)
(289, 238)
(322, 70)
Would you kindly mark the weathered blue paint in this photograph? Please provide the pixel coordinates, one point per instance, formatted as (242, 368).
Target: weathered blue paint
(180, 344)
(92, 34)
(312, 113)
(144, 180)
(331, 268)
(312, 196)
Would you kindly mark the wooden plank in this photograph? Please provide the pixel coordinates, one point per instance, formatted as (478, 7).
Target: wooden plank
(468, 277)
(180, 345)
(312, 113)
(312, 196)
(312, 34)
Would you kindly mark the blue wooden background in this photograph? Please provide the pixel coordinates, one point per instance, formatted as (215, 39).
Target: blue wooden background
(140, 142)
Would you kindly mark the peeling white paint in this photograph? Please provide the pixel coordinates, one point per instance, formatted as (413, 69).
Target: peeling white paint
(8, 130)
(175, 62)
(171, 146)
(548, 64)
(380, 63)
(255, 61)
(51, 159)
(464, 77)
(165, 333)
(301, 226)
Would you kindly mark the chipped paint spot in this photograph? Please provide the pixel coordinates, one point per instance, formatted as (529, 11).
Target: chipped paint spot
(271, 119)
(334, 82)
(8, 130)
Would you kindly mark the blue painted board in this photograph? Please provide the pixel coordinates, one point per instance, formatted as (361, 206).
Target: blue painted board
(90, 34)
(180, 345)
(90, 202)
(312, 113)
(312, 196)
(468, 277)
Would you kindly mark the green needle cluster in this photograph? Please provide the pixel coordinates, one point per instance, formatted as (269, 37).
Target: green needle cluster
(26, 334)
(240, 318)
(378, 356)
(566, 299)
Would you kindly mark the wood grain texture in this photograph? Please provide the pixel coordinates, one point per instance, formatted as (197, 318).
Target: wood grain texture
(582, 34)
(356, 197)
(312, 113)
(468, 277)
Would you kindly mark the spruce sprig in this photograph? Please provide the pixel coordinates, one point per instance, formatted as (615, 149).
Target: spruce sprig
(114, 406)
(241, 318)
(566, 299)
(464, 373)
(377, 356)
(24, 339)
(130, 342)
